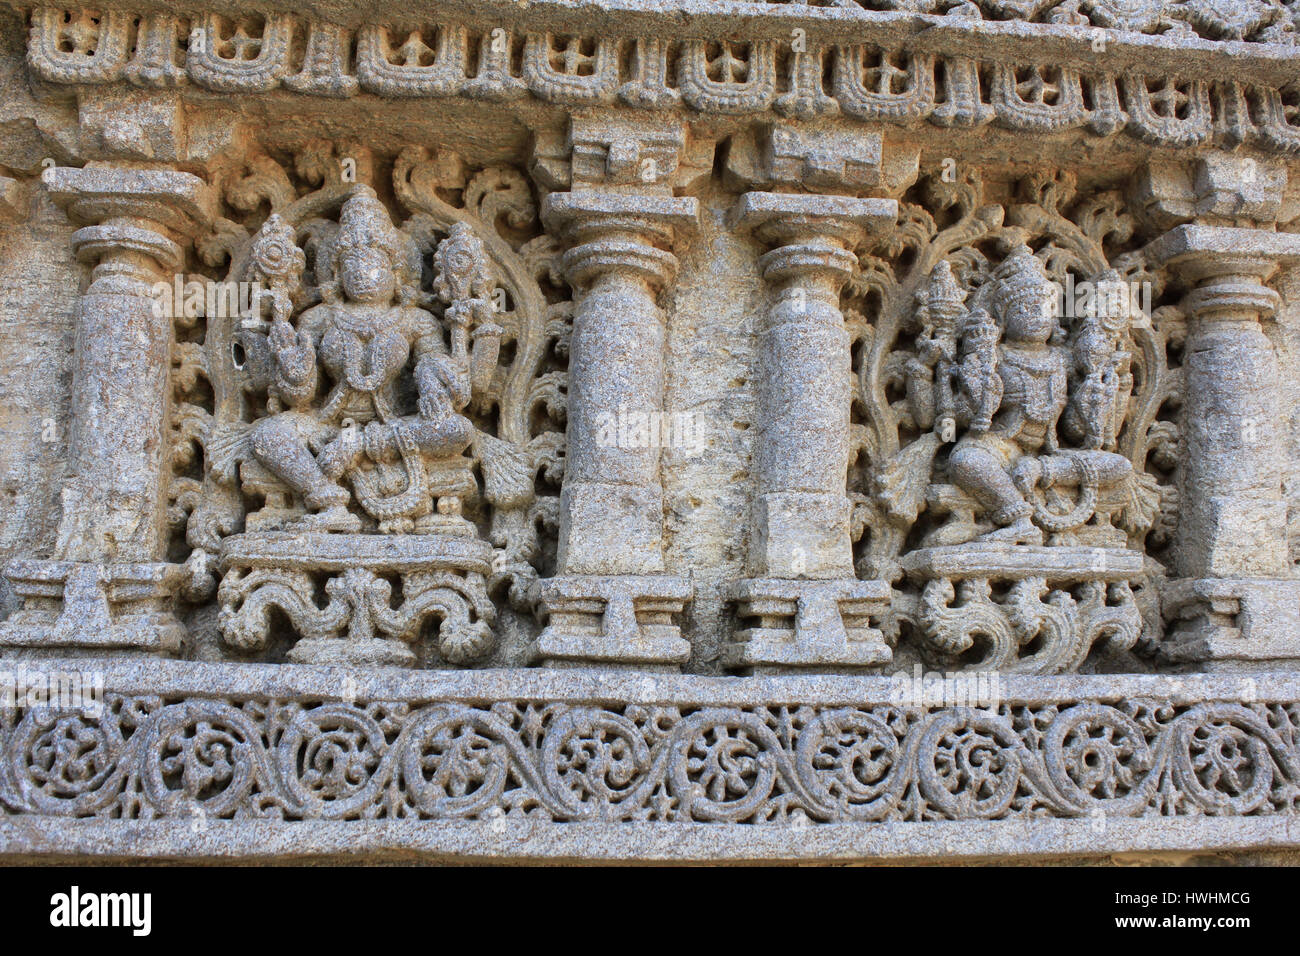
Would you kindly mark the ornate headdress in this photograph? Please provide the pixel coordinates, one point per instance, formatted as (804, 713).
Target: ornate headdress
(1112, 304)
(1023, 273)
(980, 325)
(462, 265)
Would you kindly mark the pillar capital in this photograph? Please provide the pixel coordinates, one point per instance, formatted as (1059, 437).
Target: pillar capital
(811, 234)
(831, 159)
(613, 150)
(101, 193)
(610, 231)
(1226, 268)
(1214, 189)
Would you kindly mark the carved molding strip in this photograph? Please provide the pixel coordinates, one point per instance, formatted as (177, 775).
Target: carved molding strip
(675, 750)
(253, 53)
(1255, 21)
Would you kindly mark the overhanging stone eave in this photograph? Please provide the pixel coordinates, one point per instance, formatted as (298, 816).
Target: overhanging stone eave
(1012, 41)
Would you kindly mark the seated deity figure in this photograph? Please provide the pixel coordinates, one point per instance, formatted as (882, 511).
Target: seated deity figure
(354, 346)
(1011, 398)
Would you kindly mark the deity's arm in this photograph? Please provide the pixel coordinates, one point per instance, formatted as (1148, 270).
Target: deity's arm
(438, 375)
(296, 375)
(922, 392)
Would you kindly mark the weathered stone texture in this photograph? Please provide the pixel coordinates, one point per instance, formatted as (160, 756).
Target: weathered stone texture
(661, 431)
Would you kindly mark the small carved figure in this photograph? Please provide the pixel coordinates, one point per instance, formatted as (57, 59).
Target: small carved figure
(1003, 397)
(977, 373)
(1034, 393)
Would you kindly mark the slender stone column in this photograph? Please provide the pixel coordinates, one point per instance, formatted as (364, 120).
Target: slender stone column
(610, 601)
(801, 558)
(105, 589)
(1234, 604)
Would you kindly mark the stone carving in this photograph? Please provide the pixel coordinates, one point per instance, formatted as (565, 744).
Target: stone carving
(149, 757)
(409, 532)
(342, 413)
(1022, 479)
(869, 82)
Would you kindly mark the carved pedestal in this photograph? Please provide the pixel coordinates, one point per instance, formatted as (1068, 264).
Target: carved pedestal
(611, 507)
(800, 552)
(107, 586)
(823, 624)
(358, 621)
(1023, 609)
(82, 607)
(629, 619)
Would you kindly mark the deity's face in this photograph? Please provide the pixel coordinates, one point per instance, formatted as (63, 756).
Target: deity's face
(1030, 313)
(1092, 349)
(368, 277)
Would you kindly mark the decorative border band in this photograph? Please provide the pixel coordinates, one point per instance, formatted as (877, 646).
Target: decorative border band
(872, 83)
(179, 741)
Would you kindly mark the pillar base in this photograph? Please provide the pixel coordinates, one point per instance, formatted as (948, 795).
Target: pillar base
(89, 608)
(822, 624)
(614, 619)
(611, 528)
(800, 534)
(1232, 624)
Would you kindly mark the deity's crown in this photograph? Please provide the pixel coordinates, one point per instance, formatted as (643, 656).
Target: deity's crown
(979, 324)
(364, 222)
(1023, 273)
(1112, 302)
(943, 298)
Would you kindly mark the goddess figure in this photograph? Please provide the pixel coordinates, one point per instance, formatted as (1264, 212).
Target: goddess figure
(334, 393)
(1003, 456)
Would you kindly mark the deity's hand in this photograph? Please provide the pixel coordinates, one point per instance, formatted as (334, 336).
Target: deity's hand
(380, 446)
(295, 357)
(1095, 391)
(931, 350)
(443, 382)
(433, 405)
(339, 455)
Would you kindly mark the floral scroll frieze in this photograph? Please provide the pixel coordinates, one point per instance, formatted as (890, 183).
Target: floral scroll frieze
(255, 54)
(150, 757)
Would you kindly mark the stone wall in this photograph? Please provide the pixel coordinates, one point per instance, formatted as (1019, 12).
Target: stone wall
(689, 431)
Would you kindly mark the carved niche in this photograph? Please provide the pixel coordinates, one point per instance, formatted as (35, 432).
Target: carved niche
(369, 454)
(1015, 426)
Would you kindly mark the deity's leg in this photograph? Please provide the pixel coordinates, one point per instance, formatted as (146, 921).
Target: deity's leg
(442, 438)
(983, 475)
(281, 449)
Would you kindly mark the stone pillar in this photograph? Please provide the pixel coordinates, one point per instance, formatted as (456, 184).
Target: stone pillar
(800, 548)
(1234, 603)
(610, 601)
(106, 587)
